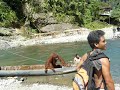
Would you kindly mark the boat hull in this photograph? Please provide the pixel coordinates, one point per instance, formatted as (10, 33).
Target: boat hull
(37, 72)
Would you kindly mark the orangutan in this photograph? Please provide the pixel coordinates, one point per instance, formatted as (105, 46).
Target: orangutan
(51, 63)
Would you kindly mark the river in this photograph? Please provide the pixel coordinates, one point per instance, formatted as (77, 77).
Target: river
(38, 55)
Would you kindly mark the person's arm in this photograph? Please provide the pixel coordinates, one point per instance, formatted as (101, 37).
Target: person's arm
(106, 73)
(83, 58)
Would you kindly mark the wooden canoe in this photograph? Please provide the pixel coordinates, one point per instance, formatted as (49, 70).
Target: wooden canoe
(33, 70)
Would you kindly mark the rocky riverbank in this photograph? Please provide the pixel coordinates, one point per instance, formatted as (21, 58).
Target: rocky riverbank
(18, 40)
(14, 83)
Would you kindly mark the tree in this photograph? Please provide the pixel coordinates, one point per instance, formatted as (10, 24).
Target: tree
(116, 14)
(78, 11)
(7, 15)
(116, 9)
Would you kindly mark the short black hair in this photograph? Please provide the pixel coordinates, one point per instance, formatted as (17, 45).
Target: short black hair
(94, 37)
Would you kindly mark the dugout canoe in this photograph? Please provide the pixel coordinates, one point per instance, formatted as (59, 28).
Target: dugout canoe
(33, 70)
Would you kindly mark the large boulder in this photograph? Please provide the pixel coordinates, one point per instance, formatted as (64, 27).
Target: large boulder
(58, 27)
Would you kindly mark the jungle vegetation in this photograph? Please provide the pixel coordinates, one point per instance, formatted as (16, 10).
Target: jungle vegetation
(84, 13)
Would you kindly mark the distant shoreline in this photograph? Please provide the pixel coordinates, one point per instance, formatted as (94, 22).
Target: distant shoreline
(21, 41)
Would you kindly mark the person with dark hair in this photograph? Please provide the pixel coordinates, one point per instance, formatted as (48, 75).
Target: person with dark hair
(51, 63)
(76, 59)
(101, 71)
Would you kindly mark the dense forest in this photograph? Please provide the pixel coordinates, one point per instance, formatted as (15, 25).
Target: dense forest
(38, 13)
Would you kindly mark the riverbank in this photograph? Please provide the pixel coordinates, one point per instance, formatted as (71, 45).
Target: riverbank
(14, 84)
(18, 41)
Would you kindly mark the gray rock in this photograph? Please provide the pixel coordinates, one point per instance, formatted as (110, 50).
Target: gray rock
(58, 27)
(4, 44)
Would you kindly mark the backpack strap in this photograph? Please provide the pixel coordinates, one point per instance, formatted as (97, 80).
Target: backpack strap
(96, 57)
(82, 79)
(88, 54)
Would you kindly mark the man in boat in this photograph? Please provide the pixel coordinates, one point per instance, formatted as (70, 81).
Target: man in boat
(51, 63)
(101, 70)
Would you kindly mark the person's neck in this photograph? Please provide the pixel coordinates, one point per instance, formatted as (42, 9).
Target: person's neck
(95, 49)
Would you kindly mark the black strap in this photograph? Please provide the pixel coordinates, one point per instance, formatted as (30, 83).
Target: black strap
(99, 56)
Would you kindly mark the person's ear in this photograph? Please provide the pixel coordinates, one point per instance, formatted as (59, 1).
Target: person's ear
(96, 45)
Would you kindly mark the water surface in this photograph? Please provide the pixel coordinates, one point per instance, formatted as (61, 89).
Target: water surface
(38, 55)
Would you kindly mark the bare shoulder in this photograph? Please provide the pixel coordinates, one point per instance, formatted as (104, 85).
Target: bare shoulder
(84, 57)
(105, 61)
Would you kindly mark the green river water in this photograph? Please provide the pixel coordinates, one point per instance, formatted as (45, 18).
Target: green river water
(38, 54)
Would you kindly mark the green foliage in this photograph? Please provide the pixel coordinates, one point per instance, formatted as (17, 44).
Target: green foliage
(114, 3)
(96, 25)
(35, 5)
(116, 9)
(17, 7)
(7, 16)
(87, 17)
(103, 18)
(94, 8)
(116, 14)
(78, 11)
